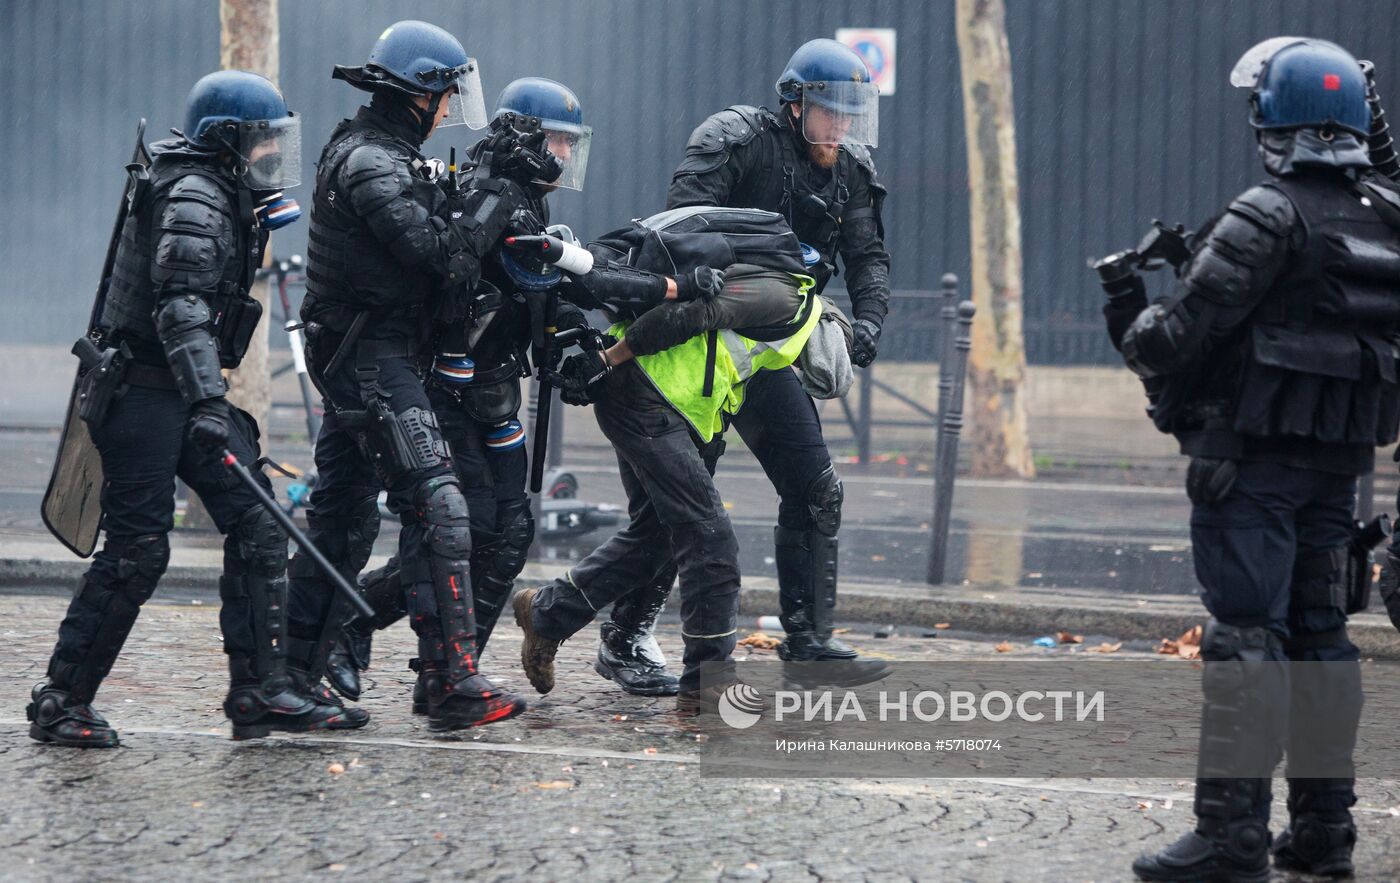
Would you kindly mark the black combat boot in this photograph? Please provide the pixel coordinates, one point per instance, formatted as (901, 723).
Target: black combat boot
(348, 658)
(631, 660)
(256, 707)
(806, 562)
(59, 720)
(429, 683)
(1312, 845)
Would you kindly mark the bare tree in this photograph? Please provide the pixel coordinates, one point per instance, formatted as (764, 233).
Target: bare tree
(999, 429)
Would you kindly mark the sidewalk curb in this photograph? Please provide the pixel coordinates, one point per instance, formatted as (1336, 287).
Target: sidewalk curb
(996, 611)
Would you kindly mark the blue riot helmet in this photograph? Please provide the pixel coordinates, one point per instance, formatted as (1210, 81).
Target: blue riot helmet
(1299, 82)
(832, 85)
(245, 114)
(414, 58)
(560, 117)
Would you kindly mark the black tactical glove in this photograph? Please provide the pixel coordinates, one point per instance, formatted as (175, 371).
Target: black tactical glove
(209, 424)
(702, 283)
(577, 376)
(865, 337)
(1208, 481)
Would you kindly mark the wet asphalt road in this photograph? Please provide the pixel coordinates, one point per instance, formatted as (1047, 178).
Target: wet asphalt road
(1045, 534)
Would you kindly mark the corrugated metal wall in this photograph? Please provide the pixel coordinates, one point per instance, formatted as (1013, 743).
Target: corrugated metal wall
(1122, 107)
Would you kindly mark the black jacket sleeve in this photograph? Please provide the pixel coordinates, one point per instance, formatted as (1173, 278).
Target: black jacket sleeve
(862, 247)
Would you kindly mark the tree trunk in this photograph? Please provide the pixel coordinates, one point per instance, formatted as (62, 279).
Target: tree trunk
(247, 41)
(999, 429)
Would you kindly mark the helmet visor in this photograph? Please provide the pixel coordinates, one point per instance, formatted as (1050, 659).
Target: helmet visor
(569, 143)
(836, 112)
(466, 103)
(272, 151)
(1247, 70)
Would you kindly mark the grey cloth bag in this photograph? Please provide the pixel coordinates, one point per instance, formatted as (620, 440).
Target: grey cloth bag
(825, 362)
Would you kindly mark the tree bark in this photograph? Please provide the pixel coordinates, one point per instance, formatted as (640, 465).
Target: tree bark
(247, 41)
(999, 429)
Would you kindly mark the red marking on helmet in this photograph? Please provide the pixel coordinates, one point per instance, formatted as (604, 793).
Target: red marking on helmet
(1331, 82)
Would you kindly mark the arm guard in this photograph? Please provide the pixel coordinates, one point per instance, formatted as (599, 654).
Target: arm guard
(196, 236)
(862, 244)
(1225, 279)
(184, 329)
(414, 221)
(714, 160)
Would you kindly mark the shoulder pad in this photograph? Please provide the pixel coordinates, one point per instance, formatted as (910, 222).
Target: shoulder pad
(861, 154)
(199, 188)
(1268, 207)
(370, 161)
(733, 125)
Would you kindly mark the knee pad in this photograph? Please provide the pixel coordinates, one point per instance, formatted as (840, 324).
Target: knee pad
(1221, 642)
(261, 541)
(443, 511)
(824, 497)
(143, 560)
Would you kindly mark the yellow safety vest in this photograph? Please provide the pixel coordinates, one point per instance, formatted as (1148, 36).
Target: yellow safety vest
(679, 373)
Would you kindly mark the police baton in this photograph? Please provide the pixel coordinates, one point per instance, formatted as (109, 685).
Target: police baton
(341, 583)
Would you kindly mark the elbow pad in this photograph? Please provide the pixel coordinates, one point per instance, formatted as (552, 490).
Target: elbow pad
(485, 212)
(183, 325)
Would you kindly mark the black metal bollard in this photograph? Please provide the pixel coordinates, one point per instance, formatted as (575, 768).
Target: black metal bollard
(947, 330)
(950, 421)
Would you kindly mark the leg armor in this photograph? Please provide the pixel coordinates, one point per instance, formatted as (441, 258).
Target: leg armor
(1243, 717)
(442, 609)
(115, 600)
(496, 564)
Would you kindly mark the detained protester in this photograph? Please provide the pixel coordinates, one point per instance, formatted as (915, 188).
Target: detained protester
(1274, 365)
(810, 163)
(661, 393)
(474, 388)
(176, 313)
(391, 254)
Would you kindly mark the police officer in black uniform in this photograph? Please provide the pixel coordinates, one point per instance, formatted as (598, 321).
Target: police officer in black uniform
(177, 303)
(809, 162)
(1274, 363)
(391, 253)
(474, 387)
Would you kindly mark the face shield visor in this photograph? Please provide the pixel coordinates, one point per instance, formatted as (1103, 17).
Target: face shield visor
(271, 152)
(569, 143)
(835, 112)
(1245, 74)
(466, 103)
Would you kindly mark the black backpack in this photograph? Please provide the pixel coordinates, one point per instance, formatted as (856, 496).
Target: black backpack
(679, 240)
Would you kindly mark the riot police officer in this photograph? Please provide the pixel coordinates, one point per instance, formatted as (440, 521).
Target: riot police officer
(391, 253)
(474, 387)
(1274, 364)
(177, 309)
(810, 162)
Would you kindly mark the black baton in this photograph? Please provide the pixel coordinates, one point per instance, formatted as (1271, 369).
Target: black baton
(341, 583)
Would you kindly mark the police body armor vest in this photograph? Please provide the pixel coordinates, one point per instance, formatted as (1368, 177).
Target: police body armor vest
(128, 312)
(347, 266)
(1320, 358)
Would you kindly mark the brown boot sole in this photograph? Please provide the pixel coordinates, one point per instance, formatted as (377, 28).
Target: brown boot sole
(536, 653)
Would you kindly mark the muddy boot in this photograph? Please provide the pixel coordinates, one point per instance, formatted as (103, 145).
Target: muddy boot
(536, 651)
(630, 660)
(55, 719)
(1312, 846)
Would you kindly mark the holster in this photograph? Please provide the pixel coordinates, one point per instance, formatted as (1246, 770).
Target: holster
(235, 321)
(101, 381)
(1360, 566)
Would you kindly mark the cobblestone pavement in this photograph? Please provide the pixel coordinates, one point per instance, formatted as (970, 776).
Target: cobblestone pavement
(590, 784)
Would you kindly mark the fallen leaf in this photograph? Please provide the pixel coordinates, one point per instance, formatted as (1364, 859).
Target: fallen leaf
(1107, 648)
(760, 641)
(877, 557)
(335, 867)
(198, 804)
(1004, 647)
(1067, 638)
(648, 750)
(336, 768)
(554, 784)
(1191, 636)
(942, 625)
(1189, 651)
(1144, 804)
(840, 631)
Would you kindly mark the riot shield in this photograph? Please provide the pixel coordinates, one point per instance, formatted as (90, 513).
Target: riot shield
(72, 507)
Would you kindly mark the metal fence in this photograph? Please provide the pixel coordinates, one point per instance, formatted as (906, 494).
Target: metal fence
(1122, 108)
